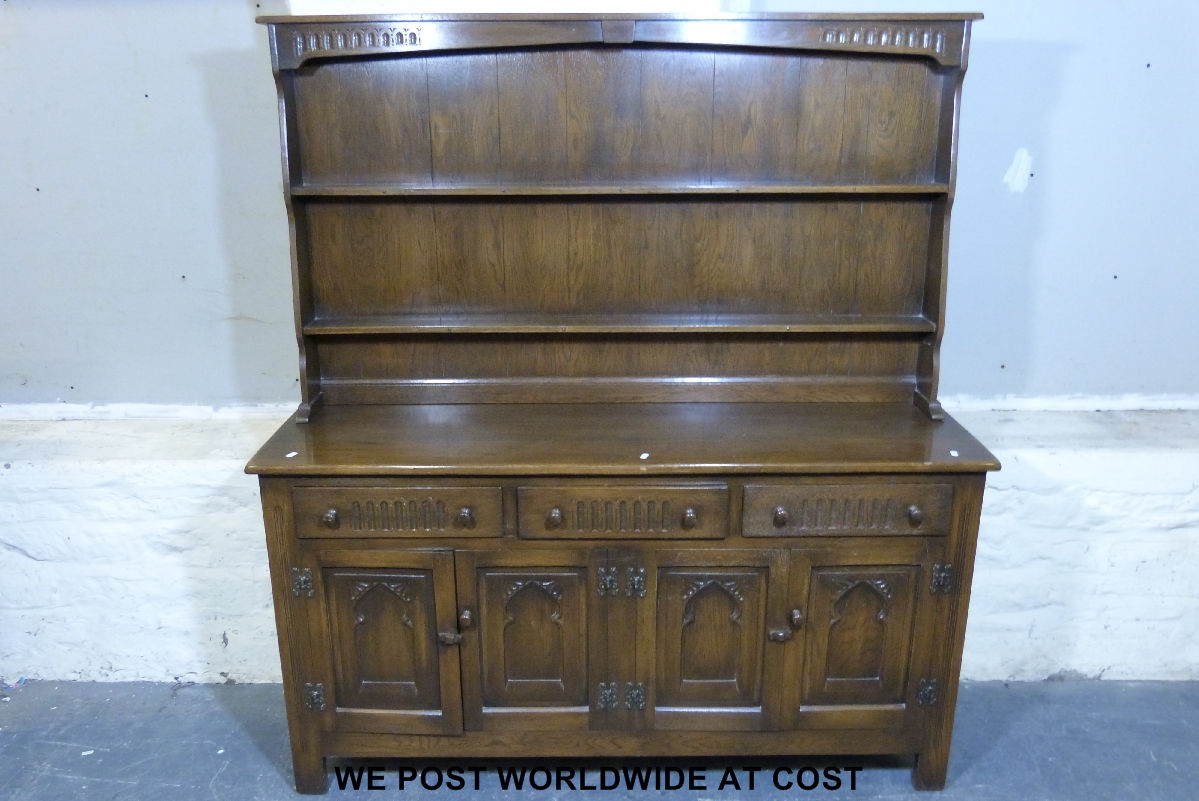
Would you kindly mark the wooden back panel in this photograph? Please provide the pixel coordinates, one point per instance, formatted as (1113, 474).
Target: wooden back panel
(618, 115)
(571, 208)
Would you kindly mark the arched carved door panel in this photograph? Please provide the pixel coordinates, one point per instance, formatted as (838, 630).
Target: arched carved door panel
(394, 659)
(866, 604)
(527, 650)
(714, 668)
(860, 634)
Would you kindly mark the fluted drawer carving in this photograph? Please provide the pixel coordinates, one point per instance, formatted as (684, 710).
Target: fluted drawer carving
(821, 510)
(616, 512)
(398, 511)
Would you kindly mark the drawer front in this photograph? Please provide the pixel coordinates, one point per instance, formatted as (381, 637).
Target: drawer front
(846, 510)
(398, 511)
(643, 511)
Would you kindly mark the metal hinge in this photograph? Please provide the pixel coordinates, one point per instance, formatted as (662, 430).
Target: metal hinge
(314, 697)
(636, 588)
(608, 582)
(634, 695)
(928, 693)
(942, 582)
(607, 695)
(301, 582)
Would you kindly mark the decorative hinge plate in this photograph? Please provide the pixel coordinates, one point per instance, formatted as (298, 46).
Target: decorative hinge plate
(634, 695)
(301, 582)
(314, 697)
(607, 695)
(636, 588)
(608, 582)
(928, 693)
(942, 581)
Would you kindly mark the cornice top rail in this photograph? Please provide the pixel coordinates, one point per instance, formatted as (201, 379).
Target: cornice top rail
(296, 40)
(756, 16)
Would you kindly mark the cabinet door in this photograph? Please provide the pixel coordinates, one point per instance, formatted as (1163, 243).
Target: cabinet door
(394, 641)
(528, 621)
(707, 633)
(863, 609)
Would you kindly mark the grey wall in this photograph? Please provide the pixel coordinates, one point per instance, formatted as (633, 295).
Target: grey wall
(143, 248)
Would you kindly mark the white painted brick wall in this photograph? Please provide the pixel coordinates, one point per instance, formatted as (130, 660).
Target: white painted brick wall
(132, 549)
(1088, 558)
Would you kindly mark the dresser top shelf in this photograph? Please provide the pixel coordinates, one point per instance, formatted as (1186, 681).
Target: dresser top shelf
(608, 439)
(738, 16)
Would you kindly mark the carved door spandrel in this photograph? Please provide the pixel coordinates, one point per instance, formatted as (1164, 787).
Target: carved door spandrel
(717, 664)
(526, 642)
(395, 655)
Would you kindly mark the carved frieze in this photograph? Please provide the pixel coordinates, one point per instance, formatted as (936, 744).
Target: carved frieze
(930, 40)
(622, 515)
(399, 514)
(315, 40)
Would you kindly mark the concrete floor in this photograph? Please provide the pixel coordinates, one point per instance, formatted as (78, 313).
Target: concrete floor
(1027, 741)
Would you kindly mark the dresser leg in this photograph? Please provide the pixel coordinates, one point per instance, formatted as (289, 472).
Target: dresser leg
(930, 770)
(311, 776)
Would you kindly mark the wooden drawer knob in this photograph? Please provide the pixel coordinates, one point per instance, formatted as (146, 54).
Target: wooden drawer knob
(331, 519)
(690, 518)
(465, 518)
(780, 517)
(555, 518)
(466, 619)
(795, 618)
(915, 515)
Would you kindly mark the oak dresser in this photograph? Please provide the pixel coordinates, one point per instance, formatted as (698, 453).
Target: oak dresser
(619, 350)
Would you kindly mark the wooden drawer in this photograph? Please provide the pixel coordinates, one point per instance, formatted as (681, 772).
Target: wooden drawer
(398, 511)
(846, 510)
(642, 511)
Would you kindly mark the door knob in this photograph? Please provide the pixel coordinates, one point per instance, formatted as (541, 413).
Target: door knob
(555, 519)
(466, 619)
(795, 618)
(465, 518)
(690, 518)
(780, 517)
(330, 519)
(915, 515)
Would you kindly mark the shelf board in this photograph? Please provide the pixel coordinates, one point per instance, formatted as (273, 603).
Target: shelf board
(536, 190)
(619, 324)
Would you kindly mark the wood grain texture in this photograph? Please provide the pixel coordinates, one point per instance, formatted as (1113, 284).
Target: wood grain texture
(946, 638)
(632, 511)
(709, 639)
(295, 646)
(821, 508)
(526, 647)
(613, 115)
(608, 440)
(509, 745)
(619, 256)
(411, 511)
